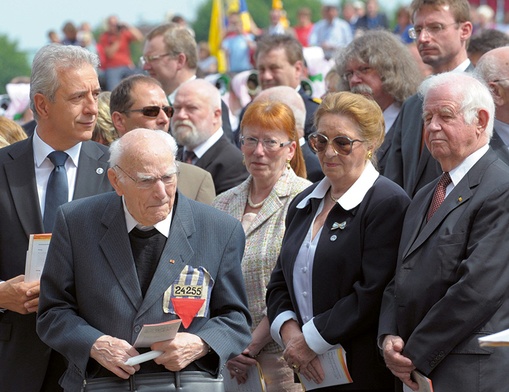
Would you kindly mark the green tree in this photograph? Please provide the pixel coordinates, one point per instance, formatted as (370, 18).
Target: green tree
(13, 62)
(259, 10)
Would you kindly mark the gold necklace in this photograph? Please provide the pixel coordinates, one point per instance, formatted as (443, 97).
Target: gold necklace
(333, 198)
(250, 202)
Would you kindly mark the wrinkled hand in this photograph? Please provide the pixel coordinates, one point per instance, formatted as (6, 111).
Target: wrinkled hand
(397, 363)
(18, 296)
(239, 366)
(181, 351)
(302, 359)
(112, 353)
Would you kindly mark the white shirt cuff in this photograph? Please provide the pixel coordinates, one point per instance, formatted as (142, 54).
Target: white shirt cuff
(313, 338)
(275, 327)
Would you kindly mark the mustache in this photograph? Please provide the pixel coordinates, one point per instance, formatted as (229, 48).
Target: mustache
(362, 89)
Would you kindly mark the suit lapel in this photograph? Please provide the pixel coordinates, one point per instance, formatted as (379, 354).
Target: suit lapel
(117, 249)
(499, 147)
(177, 253)
(20, 173)
(91, 170)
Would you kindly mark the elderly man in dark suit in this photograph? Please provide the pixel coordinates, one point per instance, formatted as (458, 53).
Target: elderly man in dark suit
(442, 30)
(144, 255)
(196, 125)
(451, 280)
(63, 92)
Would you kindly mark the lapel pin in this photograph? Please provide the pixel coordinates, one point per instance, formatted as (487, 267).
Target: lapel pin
(333, 238)
(337, 225)
(460, 199)
(172, 261)
(99, 170)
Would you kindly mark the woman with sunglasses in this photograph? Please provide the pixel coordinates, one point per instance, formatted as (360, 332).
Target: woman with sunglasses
(273, 158)
(339, 251)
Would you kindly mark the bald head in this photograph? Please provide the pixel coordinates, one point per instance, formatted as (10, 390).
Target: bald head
(292, 98)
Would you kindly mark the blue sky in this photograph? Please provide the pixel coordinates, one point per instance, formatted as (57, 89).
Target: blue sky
(28, 21)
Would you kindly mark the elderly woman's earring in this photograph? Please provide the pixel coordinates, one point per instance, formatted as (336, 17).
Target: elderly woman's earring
(370, 154)
(288, 166)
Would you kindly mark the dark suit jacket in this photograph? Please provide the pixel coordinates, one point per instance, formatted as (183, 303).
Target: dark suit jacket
(224, 162)
(313, 168)
(90, 286)
(349, 275)
(451, 282)
(408, 165)
(383, 151)
(23, 357)
(499, 147)
(311, 106)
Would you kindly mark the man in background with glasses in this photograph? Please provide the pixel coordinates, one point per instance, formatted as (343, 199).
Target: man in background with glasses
(120, 261)
(170, 55)
(378, 65)
(196, 125)
(140, 102)
(441, 29)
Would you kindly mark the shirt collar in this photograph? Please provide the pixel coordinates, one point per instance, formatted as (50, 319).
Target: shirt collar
(42, 150)
(201, 149)
(353, 196)
(390, 115)
(162, 227)
(459, 171)
(463, 66)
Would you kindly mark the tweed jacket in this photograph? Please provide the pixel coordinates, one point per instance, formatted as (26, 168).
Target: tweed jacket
(263, 237)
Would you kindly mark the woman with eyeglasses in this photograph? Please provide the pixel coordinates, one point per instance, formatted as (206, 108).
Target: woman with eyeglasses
(273, 158)
(339, 251)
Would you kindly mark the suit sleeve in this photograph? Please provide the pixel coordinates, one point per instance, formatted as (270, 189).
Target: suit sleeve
(59, 324)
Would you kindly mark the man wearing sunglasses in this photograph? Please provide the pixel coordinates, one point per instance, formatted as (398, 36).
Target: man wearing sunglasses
(170, 55)
(442, 29)
(140, 102)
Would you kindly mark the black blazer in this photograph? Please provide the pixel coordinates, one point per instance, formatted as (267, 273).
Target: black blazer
(351, 268)
(23, 357)
(223, 161)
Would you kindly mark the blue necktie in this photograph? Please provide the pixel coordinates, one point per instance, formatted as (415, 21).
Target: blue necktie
(57, 192)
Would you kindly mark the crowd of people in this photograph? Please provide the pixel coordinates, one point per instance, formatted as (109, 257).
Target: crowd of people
(369, 220)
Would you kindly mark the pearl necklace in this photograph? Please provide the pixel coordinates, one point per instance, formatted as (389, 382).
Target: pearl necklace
(250, 202)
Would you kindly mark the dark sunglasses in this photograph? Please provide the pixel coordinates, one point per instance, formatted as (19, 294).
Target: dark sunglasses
(340, 144)
(153, 111)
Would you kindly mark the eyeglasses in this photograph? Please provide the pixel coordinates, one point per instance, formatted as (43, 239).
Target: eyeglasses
(432, 29)
(153, 111)
(149, 182)
(499, 80)
(268, 144)
(148, 59)
(347, 76)
(341, 145)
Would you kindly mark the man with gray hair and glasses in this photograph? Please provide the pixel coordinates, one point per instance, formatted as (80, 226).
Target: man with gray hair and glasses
(57, 164)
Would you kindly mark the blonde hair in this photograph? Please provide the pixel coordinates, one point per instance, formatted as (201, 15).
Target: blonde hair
(11, 131)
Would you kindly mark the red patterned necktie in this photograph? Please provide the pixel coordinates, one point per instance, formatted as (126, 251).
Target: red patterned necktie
(439, 195)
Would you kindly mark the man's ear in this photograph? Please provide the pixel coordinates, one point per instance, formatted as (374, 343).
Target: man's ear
(497, 92)
(482, 120)
(118, 120)
(41, 105)
(115, 181)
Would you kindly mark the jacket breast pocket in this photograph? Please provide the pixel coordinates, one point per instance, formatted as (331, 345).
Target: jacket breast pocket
(450, 252)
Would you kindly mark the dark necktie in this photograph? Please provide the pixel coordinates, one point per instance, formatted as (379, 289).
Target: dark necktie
(57, 191)
(189, 157)
(439, 195)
